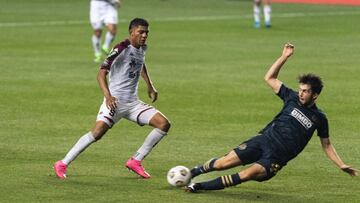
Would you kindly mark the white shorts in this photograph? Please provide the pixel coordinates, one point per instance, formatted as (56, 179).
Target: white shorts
(102, 12)
(137, 112)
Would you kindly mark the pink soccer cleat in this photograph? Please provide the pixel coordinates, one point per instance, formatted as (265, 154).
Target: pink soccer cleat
(60, 169)
(137, 168)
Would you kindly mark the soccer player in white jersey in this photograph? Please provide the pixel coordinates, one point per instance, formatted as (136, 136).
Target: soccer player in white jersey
(124, 64)
(103, 12)
(267, 13)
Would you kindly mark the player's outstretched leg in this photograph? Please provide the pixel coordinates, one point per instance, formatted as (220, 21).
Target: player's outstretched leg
(134, 163)
(230, 160)
(60, 166)
(161, 127)
(205, 168)
(215, 184)
(255, 172)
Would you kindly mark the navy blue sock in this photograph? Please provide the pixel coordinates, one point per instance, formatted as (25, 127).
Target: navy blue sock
(205, 168)
(219, 183)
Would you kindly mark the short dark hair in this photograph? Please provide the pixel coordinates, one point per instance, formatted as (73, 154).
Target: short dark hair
(138, 21)
(313, 80)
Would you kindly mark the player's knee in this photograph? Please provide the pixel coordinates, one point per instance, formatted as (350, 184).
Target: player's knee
(97, 33)
(164, 125)
(98, 134)
(112, 29)
(245, 176)
(113, 32)
(99, 131)
(258, 174)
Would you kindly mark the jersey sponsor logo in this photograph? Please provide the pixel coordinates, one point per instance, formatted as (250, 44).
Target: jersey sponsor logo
(299, 116)
(132, 63)
(243, 146)
(135, 63)
(133, 75)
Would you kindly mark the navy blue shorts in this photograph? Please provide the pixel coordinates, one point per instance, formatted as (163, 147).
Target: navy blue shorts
(257, 150)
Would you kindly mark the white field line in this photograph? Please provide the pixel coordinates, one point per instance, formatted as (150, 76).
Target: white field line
(172, 19)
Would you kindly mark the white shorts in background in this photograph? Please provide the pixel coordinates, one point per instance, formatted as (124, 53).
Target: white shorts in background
(137, 112)
(102, 12)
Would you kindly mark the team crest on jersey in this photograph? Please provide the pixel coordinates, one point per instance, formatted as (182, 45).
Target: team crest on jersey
(242, 146)
(275, 168)
(132, 63)
(133, 74)
(303, 120)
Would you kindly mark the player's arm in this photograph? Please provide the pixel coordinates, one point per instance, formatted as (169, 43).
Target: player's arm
(109, 99)
(334, 157)
(152, 92)
(272, 74)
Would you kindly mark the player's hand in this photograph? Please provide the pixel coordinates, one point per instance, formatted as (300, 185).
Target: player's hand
(111, 103)
(288, 50)
(350, 170)
(153, 94)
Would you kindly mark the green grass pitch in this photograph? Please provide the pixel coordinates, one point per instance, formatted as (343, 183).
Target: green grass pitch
(207, 62)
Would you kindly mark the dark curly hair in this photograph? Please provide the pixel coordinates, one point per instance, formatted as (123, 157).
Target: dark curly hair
(313, 80)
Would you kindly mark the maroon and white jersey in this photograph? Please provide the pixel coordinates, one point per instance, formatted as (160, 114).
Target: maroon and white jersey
(124, 64)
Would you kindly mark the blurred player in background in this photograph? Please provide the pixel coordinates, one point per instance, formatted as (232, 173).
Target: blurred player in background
(281, 140)
(267, 12)
(103, 12)
(124, 65)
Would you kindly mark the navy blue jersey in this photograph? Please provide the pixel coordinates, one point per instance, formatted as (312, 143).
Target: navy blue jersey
(293, 127)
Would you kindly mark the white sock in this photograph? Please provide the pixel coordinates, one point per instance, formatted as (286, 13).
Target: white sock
(267, 13)
(256, 13)
(96, 45)
(108, 39)
(80, 146)
(151, 140)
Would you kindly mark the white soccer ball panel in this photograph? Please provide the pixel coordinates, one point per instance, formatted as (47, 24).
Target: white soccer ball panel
(179, 176)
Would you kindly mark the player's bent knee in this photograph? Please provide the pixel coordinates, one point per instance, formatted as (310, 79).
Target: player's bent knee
(97, 135)
(246, 176)
(255, 172)
(165, 125)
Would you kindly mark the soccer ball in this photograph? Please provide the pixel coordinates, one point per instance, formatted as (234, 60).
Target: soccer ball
(179, 176)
